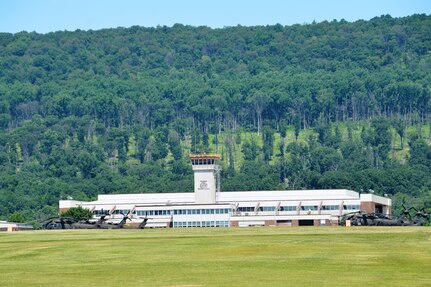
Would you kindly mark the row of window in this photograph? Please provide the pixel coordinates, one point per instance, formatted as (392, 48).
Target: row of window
(288, 208)
(180, 224)
(310, 207)
(202, 211)
(330, 207)
(121, 211)
(202, 161)
(351, 207)
(153, 212)
(226, 210)
(266, 208)
(101, 212)
(116, 211)
(246, 209)
(182, 211)
(294, 208)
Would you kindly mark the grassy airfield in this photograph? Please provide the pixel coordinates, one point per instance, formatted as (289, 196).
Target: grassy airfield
(267, 256)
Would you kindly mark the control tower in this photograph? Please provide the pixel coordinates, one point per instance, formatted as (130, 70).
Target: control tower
(207, 177)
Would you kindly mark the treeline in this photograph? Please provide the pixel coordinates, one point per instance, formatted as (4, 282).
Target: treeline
(210, 77)
(118, 110)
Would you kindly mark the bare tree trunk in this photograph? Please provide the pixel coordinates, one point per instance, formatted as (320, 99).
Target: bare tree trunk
(259, 122)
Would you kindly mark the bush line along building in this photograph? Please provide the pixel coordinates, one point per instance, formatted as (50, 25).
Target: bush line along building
(209, 207)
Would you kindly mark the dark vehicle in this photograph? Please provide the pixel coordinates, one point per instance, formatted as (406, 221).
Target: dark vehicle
(140, 226)
(377, 219)
(89, 224)
(57, 223)
(422, 217)
(111, 225)
(101, 223)
(71, 223)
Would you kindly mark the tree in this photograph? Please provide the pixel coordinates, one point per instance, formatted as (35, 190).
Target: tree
(336, 179)
(283, 133)
(379, 138)
(297, 125)
(230, 145)
(325, 159)
(77, 213)
(420, 153)
(142, 136)
(87, 163)
(50, 140)
(399, 126)
(250, 149)
(321, 130)
(160, 150)
(174, 144)
(205, 142)
(258, 102)
(17, 217)
(268, 143)
(4, 120)
(27, 138)
(196, 140)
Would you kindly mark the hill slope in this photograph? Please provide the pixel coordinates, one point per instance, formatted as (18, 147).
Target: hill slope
(331, 104)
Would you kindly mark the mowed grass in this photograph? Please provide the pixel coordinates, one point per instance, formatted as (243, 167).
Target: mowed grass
(266, 256)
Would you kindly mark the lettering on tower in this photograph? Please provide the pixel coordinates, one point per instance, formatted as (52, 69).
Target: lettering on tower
(205, 177)
(203, 185)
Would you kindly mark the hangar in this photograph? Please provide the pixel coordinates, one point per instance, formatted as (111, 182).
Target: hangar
(208, 206)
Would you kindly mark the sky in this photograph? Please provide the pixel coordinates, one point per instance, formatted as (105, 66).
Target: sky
(44, 16)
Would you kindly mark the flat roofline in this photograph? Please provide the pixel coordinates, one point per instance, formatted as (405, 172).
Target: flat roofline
(226, 197)
(291, 191)
(230, 192)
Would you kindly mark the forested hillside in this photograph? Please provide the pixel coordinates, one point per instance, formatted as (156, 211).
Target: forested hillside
(323, 105)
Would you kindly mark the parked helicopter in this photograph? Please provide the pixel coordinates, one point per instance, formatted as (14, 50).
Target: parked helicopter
(86, 224)
(377, 219)
(140, 226)
(111, 225)
(143, 223)
(57, 223)
(101, 223)
(421, 217)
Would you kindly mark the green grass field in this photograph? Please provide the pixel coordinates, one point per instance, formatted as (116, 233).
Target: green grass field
(267, 256)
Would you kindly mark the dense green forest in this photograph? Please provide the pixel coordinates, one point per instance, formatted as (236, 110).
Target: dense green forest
(322, 105)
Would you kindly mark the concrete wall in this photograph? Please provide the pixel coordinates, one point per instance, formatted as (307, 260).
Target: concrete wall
(205, 186)
(64, 205)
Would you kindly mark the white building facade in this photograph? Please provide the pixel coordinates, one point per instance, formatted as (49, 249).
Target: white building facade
(208, 207)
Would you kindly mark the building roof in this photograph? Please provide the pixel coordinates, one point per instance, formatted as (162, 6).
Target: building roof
(280, 195)
(227, 197)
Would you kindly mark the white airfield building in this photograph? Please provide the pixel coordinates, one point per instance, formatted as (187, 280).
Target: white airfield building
(209, 207)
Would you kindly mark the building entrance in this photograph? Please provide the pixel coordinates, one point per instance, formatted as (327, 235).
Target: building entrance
(306, 222)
